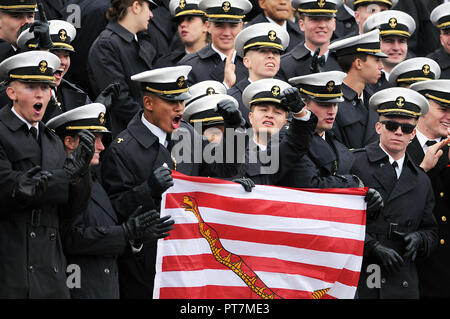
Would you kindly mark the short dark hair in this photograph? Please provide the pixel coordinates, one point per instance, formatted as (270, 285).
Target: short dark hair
(346, 61)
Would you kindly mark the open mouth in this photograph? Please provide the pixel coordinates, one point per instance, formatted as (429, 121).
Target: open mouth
(37, 107)
(58, 74)
(268, 123)
(176, 122)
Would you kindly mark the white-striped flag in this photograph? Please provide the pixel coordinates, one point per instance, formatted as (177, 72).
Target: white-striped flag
(272, 242)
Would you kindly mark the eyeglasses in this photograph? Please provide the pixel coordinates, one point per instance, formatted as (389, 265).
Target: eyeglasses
(393, 126)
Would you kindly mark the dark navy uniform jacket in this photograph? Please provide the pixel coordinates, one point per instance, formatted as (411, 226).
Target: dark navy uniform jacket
(443, 59)
(298, 61)
(236, 92)
(346, 25)
(116, 56)
(94, 240)
(327, 164)
(433, 272)
(263, 167)
(32, 262)
(355, 121)
(409, 203)
(128, 163)
(6, 50)
(207, 65)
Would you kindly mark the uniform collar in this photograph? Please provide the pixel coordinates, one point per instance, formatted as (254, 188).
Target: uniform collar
(299, 51)
(24, 121)
(158, 132)
(422, 139)
(121, 31)
(223, 56)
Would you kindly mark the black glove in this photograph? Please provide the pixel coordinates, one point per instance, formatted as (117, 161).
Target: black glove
(137, 224)
(31, 186)
(247, 183)
(41, 32)
(292, 99)
(159, 228)
(160, 181)
(389, 258)
(413, 242)
(374, 203)
(108, 95)
(77, 163)
(231, 115)
(146, 225)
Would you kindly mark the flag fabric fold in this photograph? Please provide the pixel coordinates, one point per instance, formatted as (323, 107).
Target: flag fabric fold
(271, 243)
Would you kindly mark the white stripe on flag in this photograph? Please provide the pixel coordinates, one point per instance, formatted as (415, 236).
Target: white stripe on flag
(186, 247)
(212, 277)
(267, 222)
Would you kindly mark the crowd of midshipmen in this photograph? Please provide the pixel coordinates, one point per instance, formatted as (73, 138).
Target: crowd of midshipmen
(96, 94)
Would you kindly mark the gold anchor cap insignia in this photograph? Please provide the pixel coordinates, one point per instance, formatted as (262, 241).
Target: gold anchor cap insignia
(330, 86)
(182, 4)
(101, 118)
(43, 66)
(275, 90)
(400, 101)
(210, 91)
(180, 81)
(272, 35)
(426, 69)
(226, 6)
(393, 23)
(321, 3)
(62, 34)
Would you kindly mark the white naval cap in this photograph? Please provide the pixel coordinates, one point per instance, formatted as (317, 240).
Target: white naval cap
(367, 43)
(201, 107)
(87, 117)
(261, 35)
(264, 91)
(168, 83)
(32, 66)
(391, 22)
(180, 8)
(61, 32)
(414, 70)
(225, 11)
(436, 90)
(440, 16)
(354, 4)
(399, 101)
(322, 87)
(317, 7)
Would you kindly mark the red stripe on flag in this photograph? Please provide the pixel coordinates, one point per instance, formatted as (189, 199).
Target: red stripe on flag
(207, 261)
(268, 207)
(305, 241)
(224, 292)
(197, 179)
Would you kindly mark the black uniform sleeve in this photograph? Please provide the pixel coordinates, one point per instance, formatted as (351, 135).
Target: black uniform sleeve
(120, 184)
(82, 239)
(106, 68)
